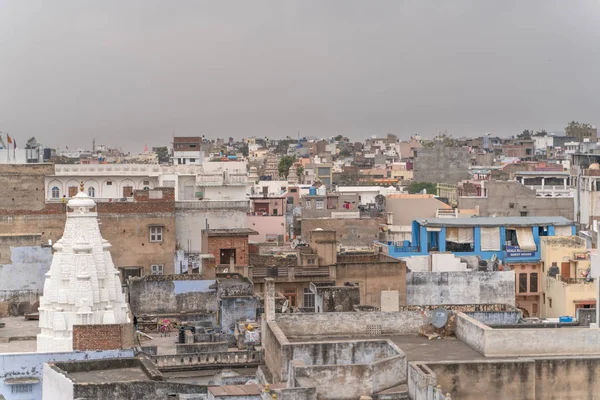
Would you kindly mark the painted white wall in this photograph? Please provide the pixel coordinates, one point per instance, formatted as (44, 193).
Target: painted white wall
(27, 270)
(102, 188)
(56, 385)
(190, 223)
(32, 365)
(447, 262)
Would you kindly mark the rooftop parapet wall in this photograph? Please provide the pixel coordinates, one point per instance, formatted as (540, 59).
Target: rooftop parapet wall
(527, 341)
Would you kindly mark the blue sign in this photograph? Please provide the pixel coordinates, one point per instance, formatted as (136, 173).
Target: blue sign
(515, 251)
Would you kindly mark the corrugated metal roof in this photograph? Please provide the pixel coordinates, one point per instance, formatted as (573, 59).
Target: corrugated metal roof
(496, 221)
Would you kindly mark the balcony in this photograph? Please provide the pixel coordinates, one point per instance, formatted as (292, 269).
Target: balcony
(240, 205)
(107, 169)
(312, 271)
(406, 249)
(270, 272)
(210, 180)
(237, 180)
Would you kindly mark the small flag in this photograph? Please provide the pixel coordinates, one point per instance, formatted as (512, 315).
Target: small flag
(145, 148)
(67, 147)
(9, 138)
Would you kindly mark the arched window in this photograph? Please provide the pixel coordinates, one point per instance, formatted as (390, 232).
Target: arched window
(91, 192)
(55, 192)
(146, 188)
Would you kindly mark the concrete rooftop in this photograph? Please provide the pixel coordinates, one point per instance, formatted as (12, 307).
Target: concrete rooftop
(417, 348)
(18, 335)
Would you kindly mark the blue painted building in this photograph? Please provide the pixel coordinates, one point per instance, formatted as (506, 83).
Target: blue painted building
(510, 239)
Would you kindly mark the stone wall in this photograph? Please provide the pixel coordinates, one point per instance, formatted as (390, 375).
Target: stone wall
(235, 309)
(373, 277)
(441, 164)
(22, 187)
(103, 337)
(172, 294)
(496, 287)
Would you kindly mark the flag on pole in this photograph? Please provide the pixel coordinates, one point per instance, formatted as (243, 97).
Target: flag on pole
(145, 148)
(67, 147)
(9, 138)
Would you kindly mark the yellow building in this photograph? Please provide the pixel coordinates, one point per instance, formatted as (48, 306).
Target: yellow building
(565, 264)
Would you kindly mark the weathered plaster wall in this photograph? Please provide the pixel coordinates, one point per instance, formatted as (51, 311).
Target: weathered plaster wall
(460, 288)
(56, 385)
(497, 379)
(234, 309)
(189, 222)
(20, 365)
(441, 164)
(183, 293)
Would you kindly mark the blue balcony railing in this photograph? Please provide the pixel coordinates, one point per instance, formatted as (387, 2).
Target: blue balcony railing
(406, 249)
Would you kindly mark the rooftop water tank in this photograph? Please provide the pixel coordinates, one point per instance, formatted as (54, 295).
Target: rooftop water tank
(312, 191)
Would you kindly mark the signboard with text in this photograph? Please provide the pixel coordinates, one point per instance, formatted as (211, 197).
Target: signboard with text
(515, 251)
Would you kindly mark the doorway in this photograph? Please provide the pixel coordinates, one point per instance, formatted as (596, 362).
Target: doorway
(227, 255)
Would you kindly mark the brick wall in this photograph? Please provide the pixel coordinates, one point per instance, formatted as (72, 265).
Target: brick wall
(102, 337)
(239, 243)
(22, 186)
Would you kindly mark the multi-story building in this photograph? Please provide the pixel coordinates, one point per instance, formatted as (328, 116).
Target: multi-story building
(513, 199)
(187, 151)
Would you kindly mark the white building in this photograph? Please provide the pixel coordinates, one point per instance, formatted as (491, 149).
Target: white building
(187, 151)
(82, 286)
(116, 182)
(367, 194)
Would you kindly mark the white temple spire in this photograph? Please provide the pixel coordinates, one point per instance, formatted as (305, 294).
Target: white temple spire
(82, 286)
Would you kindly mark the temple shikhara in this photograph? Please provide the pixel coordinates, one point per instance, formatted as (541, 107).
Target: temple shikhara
(82, 286)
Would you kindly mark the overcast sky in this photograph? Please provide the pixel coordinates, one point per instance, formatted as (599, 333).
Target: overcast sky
(135, 72)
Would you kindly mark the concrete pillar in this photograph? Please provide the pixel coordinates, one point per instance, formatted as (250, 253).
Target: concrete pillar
(565, 184)
(269, 299)
(442, 239)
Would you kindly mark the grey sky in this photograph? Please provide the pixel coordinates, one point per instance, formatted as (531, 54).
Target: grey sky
(133, 72)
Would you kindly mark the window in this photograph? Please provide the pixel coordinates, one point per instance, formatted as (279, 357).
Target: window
(157, 269)
(156, 233)
(319, 204)
(275, 211)
(309, 299)
(192, 160)
(533, 282)
(21, 388)
(511, 205)
(550, 302)
(127, 191)
(146, 188)
(523, 213)
(73, 191)
(522, 283)
(91, 192)
(146, 183)
(293, 190)
(55, 192)
(108, 183)
(310, 261)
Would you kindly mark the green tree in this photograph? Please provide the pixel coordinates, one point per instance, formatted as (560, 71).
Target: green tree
(284, 165)
(580, 130)
(417, 187)
(525, 135)
(300, 170)
(163, 154)
(244, 150)
(338, 138)
(541, 133)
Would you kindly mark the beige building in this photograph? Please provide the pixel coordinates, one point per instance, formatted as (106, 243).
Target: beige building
(565, 264)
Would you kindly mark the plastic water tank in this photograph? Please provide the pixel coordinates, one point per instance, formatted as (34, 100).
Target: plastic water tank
(312, 191)
(322, 191)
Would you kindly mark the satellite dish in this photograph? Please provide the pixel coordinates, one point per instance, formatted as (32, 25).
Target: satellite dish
(294, 244)
(252, 382)
(439, 318)
(226, 270)
(285, 305)
(553, 271)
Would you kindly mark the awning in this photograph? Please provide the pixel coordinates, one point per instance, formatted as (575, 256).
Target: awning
(490, 239)
(459, 235)
(26, 380)
(525, 239)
